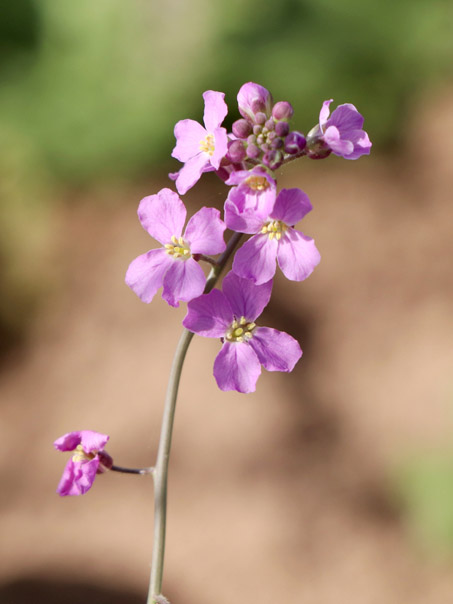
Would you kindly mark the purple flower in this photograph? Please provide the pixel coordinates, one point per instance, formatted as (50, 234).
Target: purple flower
(250, 202)
(88, 460)
(163, 216)
(254, 101)
(342, 131)
(275, 239)
(201, 149)
(231, 315)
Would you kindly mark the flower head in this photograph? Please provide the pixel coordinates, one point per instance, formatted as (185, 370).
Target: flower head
(88, 460)
(173, 266)
(342, 132)
(275, 240)
(230, 315)
(201, 149)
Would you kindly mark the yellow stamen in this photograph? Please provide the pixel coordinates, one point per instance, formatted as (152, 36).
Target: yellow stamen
(178, 249)
(258, 183)
(207, 144)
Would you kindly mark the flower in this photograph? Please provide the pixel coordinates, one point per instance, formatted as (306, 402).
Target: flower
(173, 266)
(230, 315)
(88, 460)
(201, 149)
(274, 239)
(342, 131)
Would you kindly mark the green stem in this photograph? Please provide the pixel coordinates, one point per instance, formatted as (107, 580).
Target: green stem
(160, 474)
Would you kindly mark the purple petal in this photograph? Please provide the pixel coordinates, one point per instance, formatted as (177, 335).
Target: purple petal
(191, 172)
(183, 281)
(346, 117)
(240, 217)
(145, 274)
(215, 109)
(246, 299)
(220, 147)
(90, 441)
(297, 255)
(162, 215)
(237, 368)
(291, 206)
(361, 142)
(205, 231)
(324, 113)
(276, 350)
(339, 146)
(209, 315)
(256, 259)
(188, 135)
(78, 477)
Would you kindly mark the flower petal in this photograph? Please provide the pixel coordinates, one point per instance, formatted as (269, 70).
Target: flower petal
(215, 109)
(361, 142)
(204, 232)
(189, 134)
(162, 215)
(256, 259)
(237, 368)
(324, 113)
(339, 146)
(220, 147)
(191, 172)
(276, 350)
(297, 255)
(246, 299)
(291, 206)
(209, 315)
(145, 274)
(183, 281)
(78, 477)
(346, 117)
(239, 217)
(90, 441)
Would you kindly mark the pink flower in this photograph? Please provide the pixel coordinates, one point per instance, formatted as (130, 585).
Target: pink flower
(342, 131)
(276, 240)
(201, 149)
(172, 266)
(88, 460)
(230, 315)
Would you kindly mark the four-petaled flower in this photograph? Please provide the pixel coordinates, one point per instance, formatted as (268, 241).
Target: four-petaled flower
(88, 460)
(275, 239)
(342, 132)
(201, 149)
(173, 266)
(230, 315)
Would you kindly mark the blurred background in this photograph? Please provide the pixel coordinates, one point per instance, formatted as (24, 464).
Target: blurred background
(331, 484)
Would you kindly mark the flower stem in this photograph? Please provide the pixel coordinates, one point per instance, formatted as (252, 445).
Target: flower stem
(132, 470)
(160, 474)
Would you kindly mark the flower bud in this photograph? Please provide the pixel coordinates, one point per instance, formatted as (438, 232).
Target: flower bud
(282, 110)
(253, 99)
(260, 118)
(242, 128)
(277, 143)
(273, 159)
(236, 151)
(295, 143)
(270, 125)
(253, 151)
(282, 128)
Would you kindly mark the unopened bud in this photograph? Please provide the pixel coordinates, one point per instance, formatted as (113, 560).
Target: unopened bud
(242, 128)
(295, 143)
(282, 110)
(282, 128)
(236, 151)
(273, 159)
(253, 151)
(260, 118)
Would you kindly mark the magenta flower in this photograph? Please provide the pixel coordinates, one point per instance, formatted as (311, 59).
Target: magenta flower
(230, 315)
(88, 460)
(342, 131)
(172, 266)
(251, 201)
(254, 99)
(275, 240)
(201, 149)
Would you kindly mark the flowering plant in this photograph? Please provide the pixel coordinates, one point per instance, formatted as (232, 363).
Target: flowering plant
(246, 159)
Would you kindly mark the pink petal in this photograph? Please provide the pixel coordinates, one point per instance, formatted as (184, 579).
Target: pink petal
(183, 281)
(346, 117)
(188, 135)
(324, 113)
(297, 255)
(78, 477)
(205, 231)
(361, 142)
(145, 274)
(191, 172)
(252, 98)
(209, 315)
(246, 299)
(338, 145)
(162, 215)
(276, 350)
(256, 259)
(291, 206)
(237, 368)
(239, 217)
(215, 109)
(90, 441)
(220, 147)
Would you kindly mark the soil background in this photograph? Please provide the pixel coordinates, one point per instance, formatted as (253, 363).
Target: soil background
(279, 496)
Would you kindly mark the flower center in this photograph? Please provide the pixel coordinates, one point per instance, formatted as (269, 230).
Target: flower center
(80, 454)
(274, 228)
(240, 331)
(207, 144)
(257, 183)
(178, 249)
